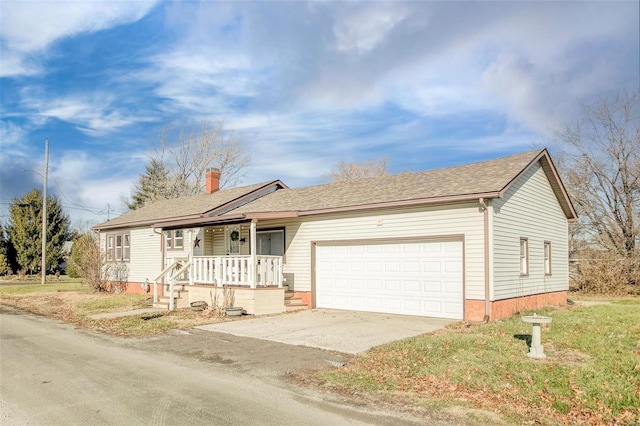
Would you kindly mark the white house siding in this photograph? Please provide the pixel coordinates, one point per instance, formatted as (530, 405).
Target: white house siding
(529, 209)
(461, 219)
(146, 257)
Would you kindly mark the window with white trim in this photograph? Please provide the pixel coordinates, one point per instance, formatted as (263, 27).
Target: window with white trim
(119, 247)
(110, 248)
(547, 257)
(174, 240)
(524, 256)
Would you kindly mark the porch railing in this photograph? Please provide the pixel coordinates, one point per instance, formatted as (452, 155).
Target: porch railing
(237, 271)
(175, 270)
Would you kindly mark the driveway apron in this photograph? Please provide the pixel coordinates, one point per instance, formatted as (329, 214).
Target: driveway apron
(344, 331)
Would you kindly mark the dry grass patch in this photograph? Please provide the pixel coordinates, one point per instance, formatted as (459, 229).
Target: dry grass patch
(74, 304)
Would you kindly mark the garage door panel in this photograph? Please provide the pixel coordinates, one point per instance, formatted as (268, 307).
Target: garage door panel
(432, 266)
(392, 286)
(374, 284)
(417, 278)
(411, 286)
(411, 266)
(390, 266)
(374, 303)
(412, 306)
(358, 284)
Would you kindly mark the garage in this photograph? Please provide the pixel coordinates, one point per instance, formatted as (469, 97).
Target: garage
(423, 278)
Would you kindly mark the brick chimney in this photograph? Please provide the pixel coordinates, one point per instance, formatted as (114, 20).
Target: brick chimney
(213, 180)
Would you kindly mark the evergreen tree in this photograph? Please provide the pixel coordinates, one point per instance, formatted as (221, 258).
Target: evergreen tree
(25, 231)
(151, 186)
(4, 261)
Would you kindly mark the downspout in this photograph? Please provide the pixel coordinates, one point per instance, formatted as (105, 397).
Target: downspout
(487, 263)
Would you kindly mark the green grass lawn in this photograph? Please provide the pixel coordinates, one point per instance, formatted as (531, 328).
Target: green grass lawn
(30, 286)
(591, 373)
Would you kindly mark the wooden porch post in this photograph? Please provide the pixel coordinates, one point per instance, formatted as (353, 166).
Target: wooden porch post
(253, 261)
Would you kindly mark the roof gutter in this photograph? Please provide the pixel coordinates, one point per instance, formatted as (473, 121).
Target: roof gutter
(139, 223)
(405, 203)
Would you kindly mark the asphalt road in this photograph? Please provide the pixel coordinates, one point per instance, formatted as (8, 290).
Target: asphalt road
(53, 374)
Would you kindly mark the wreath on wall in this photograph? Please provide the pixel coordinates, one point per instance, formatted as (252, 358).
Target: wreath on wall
(235, 235)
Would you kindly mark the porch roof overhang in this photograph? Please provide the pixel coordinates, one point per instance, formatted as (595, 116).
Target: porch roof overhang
(224, 219)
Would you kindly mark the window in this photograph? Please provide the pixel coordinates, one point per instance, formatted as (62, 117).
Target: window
(168, 241)
(178, 239)
(547, 257)
(524, 256)
(126, 248)
(118, 247)
(270, 242)
(110, 247)
(174, 240)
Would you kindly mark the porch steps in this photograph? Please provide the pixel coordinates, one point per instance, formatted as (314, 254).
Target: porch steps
(180, 297)
(292, 303)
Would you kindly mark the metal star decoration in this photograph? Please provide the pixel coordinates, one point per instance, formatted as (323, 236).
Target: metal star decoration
(196, 242)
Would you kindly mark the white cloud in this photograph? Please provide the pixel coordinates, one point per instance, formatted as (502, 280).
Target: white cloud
(94, 113)
(10, 134)
(28, 27)
(361, 29)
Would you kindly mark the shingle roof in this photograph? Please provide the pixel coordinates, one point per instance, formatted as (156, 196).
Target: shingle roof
(478, 178)
(183, 207)
(483, 179)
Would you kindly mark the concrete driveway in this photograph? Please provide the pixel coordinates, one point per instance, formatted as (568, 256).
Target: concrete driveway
(344, 331)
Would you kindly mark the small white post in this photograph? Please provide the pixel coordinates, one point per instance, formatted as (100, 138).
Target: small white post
(253, 269)
(171, 302)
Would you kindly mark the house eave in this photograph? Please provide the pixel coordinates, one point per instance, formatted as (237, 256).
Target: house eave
(450, 199)
(199, 221)
(140, 223)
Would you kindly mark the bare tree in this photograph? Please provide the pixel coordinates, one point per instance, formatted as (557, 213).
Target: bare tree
(345, 171)
(602, 162)
(189, 156)
(178, 165)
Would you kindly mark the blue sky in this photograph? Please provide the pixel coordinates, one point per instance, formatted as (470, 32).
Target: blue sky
(304, 84)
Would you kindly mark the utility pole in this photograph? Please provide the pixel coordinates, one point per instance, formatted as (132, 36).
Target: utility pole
(44, 212)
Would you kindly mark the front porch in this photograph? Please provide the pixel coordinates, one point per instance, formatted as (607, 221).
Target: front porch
(255, 280)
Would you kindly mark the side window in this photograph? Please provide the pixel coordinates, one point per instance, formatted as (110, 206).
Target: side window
(547, 257)
(524, 256)
(270, 242)
(126, 248)
(110, 247)
(168, 241)
(178, 239)
(118, 247)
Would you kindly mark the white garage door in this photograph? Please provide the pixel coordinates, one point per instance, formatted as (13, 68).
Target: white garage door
(411, 278)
